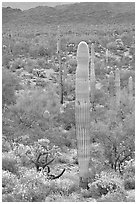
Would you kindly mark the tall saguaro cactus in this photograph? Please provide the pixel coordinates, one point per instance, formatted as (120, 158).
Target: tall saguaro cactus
(82, 112)
(117, 87)
(92, 75)
(60, 66)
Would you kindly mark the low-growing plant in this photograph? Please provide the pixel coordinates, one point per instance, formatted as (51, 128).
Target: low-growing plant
(9, 163)
(17, 64)
(129, 175)
(129, 184)
(9, 181)
(10, 83)
(6, 58)
(116, 196)
(31, 188)
(92, 192)
(108, 182)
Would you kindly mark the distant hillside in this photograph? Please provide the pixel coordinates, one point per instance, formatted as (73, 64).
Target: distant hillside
(89, 12)
(9, 14)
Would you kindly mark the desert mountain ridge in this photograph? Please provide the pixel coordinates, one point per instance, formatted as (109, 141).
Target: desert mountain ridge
(89, 12)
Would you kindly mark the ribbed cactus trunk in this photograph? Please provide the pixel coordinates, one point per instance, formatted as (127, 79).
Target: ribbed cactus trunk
(82, 112)
(130, 87)
(107, 56)
(111, 89)
(60, 65)
(111, 84)
(92, 76)
(117, 88)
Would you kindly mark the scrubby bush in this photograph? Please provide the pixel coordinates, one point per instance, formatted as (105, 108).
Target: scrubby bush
(20, 48)
(10, 83)
(31, 188)
(17, 64)
(108, 182)
(9, 181)
(29, 115)
(6, 58)
(67, 116)
(72, 64)
(129, 184)
(9, 163)
(93, 192)
(116, 196)
(6, 146)
(129, 175)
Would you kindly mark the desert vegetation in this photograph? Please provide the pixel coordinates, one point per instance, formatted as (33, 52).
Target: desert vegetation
(39, 137)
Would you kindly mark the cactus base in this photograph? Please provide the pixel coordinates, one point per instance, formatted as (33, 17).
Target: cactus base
(83, 183)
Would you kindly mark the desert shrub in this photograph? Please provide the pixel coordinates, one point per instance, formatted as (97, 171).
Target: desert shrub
(17, 64)
(9, 181)
(93, 192)
(36, 51)
(33, 51)
(20, 48)
(72, 64)
(129, 184)
(30, 65)
(29, 113)
(20, 151)
(124, 76)
(127, 38)
(41, 63)
(63, 186)
(9, 163)
(6, 58)
(68, 88)
(67, 116)
(116, 196)
(6, 146)
(7, 197)
(10, 83)
(112, 46)
(31, 188)
(108, 182)
(129, 175)
(129, 169)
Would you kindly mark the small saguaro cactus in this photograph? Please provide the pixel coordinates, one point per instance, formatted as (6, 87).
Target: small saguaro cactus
(117, 87)
(107, 56)
(92, 75)
(82, 112)
(130, 87)
(60, 65)
(111, 83)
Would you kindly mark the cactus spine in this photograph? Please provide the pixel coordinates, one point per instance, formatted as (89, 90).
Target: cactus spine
(82, 112)
(92, 75)
(117, 87)
(60, 66)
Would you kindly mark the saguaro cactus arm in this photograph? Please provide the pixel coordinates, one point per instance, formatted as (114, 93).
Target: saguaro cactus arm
(82, 113)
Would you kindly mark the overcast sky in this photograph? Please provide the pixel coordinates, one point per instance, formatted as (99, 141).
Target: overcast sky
(28, 5)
